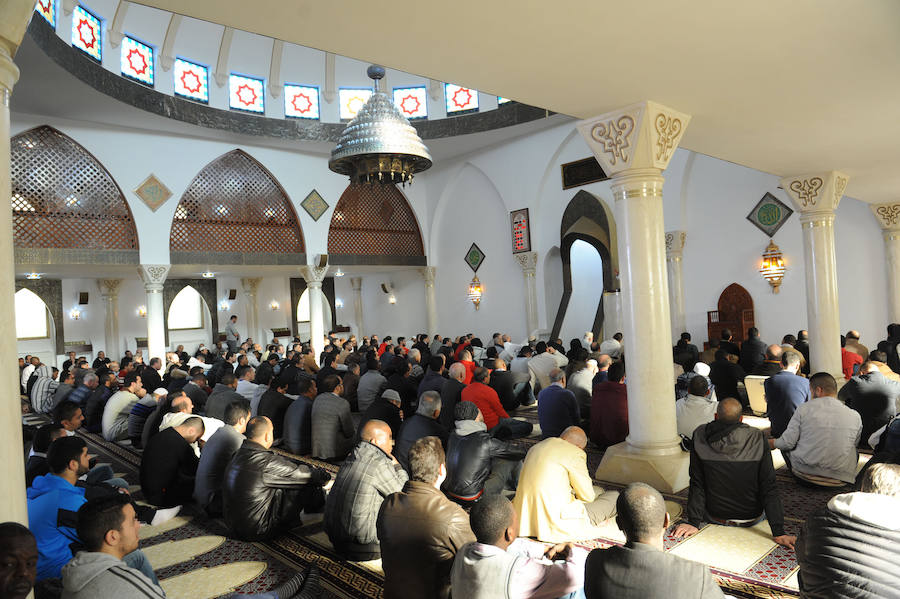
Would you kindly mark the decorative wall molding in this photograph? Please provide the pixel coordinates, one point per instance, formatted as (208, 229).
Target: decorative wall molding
(816, 193)
(887, 215)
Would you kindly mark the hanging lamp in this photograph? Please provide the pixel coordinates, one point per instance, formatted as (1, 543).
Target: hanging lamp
(379, 145)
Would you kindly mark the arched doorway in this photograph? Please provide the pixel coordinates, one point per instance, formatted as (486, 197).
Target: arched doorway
(587, 219)
(35, 327)
(303, 330)
(191, 312)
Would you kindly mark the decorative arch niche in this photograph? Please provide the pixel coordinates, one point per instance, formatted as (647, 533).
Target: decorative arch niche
(373, 223)
(235, 212)
(586, 218)
(50, 292)
(67, 208)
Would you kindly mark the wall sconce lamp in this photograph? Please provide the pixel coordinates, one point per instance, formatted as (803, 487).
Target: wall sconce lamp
(274, 305)
(338, 303)
(224, 305)
(75, 314)
(142, 311)
(476, 290)
(772, 267)
(208, 275)
(392, 299)
(33, 276)
(339, 272)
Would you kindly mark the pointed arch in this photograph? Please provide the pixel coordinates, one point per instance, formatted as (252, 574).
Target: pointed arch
(235, 212)
(206, 288)
(373, 223)
(64, 199)
(50, 292)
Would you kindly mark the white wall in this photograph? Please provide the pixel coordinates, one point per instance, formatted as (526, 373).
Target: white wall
(587, 285)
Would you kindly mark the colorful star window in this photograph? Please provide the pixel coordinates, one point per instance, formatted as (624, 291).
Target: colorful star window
(137, 60)
(191, 80)
(460, 99)
(352, 100)
(86, 33)
(301, 102)
(47, 9)
(246, 93)
(411, 102)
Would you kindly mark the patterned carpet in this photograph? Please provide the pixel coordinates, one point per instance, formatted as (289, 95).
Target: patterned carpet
(194, 558)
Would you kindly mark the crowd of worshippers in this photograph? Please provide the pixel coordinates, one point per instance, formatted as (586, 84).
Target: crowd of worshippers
(432, 479)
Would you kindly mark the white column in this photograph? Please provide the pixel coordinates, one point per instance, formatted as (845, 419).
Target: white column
(314, 276)
(674, 251)
(12, 508)
(528, 262)
(816, 197)
(430, 298)
(634, 145)
(356, 285)
(888, 216)
(154, 275)
(251, 287)
(109, 291)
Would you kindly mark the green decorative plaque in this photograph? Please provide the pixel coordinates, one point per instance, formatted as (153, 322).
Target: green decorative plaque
(769, 214)
(474, 257)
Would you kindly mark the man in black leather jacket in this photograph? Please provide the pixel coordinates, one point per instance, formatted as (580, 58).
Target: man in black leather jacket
(477, 463)
(264, 492)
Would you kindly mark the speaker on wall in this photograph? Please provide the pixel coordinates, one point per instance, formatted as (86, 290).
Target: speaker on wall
(82, 298)
(232, 294)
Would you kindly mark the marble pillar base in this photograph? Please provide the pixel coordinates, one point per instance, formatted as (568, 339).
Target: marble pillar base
(623, 464)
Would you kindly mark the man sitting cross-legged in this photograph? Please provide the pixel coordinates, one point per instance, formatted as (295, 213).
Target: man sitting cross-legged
(873, 396)
(421, 530)
(332, 424)
(263, 492)
(477, 463)
(732, 477)
(366, 477)
(495, 417)
(169, 465)
(640, 569)
(557, 407)
(424, 423)
(785, 392)
(499, 564)
(216, 455)
(556, 498)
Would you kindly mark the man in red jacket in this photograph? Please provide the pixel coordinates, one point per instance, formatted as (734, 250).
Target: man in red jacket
(496, 419)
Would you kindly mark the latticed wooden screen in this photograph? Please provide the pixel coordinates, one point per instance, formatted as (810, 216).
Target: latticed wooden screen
(235, 205)
(63, 198)
(374, 219)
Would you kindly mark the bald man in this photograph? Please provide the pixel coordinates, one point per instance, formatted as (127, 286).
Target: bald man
(772, 364)
(264, 493)
(368, 475)
(556, 498)
(732, 477)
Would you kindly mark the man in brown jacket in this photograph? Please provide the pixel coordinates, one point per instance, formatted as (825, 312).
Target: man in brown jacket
(420, 529)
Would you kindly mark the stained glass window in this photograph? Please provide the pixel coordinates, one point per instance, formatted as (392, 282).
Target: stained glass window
(502, 100)
(246, 93)
(86, 33)
(301, 102)
(411, 101)
(352, 100)
(137, 60)
(460, 99)
(191, 80)
(47, 9)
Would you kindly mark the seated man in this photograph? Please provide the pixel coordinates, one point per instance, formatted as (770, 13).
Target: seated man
(525, 572)
(332, 424)
(873, 396)
(19, 556)
(726, 374)
(495, 417)
(95, 404)
(216, 455)
(609, 408)
(245, 376)
(115, 414)
(557, 406)
(385, 408)
(368, 475)
(556, 498)
(169, 465)
(222, 394)
(641, 569)
(264, 493)
(181, 409)
(108, 528)
(772, 364)
(851, 547)
(822, 437)
(451, 392)
(139, 414)
(274, 405)
(477, 463)
(732, 477)
(510, 386)
(420, 529)
(785, 391)
(695, 409)
(196, 391)
(424, 423)
(297, 432)
(850, 361)
(37, 462)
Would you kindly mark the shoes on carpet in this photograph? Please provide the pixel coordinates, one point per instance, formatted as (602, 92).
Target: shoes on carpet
(165, 515)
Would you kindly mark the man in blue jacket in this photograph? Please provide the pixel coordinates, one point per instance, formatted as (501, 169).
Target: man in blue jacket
(785, 391)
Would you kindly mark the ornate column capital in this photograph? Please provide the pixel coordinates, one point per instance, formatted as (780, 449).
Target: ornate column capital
(639, 136)
(527, 261)
(314, 275)
(817, 194)
(251, 286)
(888, 216)
(356, 283)
(428, 273)
(109, 287)
(675, 243)
(153, 276)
